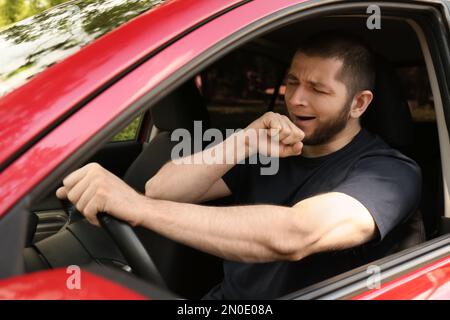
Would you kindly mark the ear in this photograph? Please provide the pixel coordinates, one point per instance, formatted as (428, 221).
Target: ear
(360, 103)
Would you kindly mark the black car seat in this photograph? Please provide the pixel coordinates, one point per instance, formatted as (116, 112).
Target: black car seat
(389, 117)
(187, 272)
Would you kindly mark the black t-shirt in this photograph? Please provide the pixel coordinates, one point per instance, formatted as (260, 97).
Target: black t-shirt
(385, 181)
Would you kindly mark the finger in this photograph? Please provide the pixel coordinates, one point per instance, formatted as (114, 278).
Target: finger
(272, 122)
(299, 132)
(61, 193)
(90, 212)
(75, 176)
(263, 145)
(78, 189)
(85, 198)
(296, 134)
(297, 148)
(285, 128)
(272, 147)
(291, 150)
(292, 137)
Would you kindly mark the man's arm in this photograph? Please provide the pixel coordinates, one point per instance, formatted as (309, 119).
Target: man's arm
(191, 182)
(195, 181)
(264, 233)
(254, 233)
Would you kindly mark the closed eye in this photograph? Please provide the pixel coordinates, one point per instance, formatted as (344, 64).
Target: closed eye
(319, 91)
(292, 80)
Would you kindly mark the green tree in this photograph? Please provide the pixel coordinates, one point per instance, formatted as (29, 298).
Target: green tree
(15, 10)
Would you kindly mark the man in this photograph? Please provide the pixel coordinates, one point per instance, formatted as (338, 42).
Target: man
(338, 192)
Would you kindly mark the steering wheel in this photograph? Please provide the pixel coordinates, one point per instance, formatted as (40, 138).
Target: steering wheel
(126, 240)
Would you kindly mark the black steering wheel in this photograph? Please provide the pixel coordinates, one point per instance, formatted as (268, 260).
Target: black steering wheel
(126, 239)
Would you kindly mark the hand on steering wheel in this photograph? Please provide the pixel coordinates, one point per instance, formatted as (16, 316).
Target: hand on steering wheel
(129, 244)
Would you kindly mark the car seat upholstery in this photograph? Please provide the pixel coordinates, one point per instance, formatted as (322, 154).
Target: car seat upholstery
(186, 271)
(389, 116)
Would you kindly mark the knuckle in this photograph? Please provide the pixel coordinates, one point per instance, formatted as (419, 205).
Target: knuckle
(100, 193)
(274, 115)
(98, 181)
(94, 165)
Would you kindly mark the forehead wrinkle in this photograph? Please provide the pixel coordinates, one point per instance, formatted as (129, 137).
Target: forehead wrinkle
(305, 75)
(309, 80)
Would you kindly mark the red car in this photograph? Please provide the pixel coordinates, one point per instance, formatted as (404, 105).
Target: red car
(108, 81)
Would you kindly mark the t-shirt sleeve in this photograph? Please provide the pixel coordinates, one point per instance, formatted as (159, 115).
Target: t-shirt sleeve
(232, 178)
(239, 180)
(388, 186)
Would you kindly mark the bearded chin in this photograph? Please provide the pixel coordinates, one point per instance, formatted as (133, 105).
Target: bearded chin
(326, 131)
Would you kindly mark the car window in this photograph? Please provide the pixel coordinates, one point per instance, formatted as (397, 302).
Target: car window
(130, 132)
(418, 92)
(239, 87)
(34, 44)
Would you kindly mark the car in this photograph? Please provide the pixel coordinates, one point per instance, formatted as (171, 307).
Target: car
(109, 81)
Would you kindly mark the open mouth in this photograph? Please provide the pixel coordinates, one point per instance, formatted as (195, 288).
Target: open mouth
(305, 118)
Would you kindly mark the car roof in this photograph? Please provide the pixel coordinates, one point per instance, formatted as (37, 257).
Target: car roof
(29, 111)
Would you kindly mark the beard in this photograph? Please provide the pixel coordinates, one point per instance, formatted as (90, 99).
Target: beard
(327, 130)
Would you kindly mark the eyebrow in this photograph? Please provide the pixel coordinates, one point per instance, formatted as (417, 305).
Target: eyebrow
(311, 82)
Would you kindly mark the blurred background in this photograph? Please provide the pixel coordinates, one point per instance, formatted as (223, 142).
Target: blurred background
(15, 10)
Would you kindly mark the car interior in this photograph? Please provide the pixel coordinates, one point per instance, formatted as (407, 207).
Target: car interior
(230, 93)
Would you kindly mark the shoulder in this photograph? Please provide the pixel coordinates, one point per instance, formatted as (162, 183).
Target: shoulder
(386, 162)
(379, 155)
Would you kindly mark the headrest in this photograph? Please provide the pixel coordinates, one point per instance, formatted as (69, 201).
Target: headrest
(388, 115)
(180, 109)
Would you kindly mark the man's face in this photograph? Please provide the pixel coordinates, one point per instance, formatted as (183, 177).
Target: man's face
(317, 102)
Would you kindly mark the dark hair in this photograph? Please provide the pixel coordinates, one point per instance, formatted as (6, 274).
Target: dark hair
(358, 62)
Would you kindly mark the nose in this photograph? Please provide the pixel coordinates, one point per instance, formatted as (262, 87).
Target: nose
(298, 96)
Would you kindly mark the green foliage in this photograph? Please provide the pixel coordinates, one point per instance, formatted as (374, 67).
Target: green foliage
(129, 133)
(15, 10)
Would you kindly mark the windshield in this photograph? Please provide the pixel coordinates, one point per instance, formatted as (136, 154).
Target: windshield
(32, 45)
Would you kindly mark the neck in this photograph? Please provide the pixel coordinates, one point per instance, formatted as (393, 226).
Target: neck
(339, 141)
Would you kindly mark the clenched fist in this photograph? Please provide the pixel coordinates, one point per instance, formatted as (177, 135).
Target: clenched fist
(281, 134)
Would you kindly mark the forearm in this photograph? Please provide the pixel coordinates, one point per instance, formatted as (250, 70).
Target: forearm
(263, 233)
(189, 178)
(184, 182)
(258, 233)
